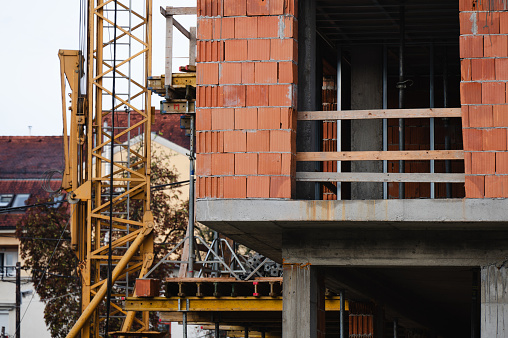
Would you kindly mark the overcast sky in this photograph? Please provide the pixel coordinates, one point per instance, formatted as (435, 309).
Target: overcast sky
(31, 33)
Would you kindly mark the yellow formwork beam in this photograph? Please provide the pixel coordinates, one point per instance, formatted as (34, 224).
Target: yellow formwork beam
(197, 304)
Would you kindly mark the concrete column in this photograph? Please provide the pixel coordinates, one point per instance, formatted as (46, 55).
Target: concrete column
(494, 302)
(303, 314)
(307, 132)
(366, 93)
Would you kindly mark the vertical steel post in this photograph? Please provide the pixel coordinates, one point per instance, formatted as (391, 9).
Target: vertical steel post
(448, 163)
(18, 300)
(184, 324)
(246, 334)
(395, 322)
(401, 95)
(190, 267)
(217, 330)
(216, 242)
(339, 122)
(385, 121)
(432, 122)
(342, 312)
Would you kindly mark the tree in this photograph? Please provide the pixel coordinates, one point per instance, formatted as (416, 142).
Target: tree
(58, 284)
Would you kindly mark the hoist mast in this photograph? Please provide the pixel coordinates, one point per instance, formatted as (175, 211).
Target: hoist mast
(107, 177)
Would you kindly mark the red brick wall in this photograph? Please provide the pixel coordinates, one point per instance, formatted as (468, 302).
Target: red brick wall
(246, 98)
(484, 68)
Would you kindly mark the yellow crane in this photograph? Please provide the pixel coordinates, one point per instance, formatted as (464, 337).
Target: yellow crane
(104, 173)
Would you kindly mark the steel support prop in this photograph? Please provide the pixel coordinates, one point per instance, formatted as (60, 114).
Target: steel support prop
(401, 86)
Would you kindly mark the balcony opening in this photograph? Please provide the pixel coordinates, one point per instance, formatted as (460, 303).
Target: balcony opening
(400, 61)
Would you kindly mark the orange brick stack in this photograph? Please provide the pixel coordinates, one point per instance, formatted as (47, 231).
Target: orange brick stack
(484, 68)
(246, 98)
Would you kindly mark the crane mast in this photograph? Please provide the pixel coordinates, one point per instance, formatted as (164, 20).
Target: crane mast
(107, 175)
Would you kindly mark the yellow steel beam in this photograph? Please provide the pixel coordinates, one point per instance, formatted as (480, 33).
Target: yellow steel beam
(197, 304)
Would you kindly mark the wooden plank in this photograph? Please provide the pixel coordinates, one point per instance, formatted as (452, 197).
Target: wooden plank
(379, 114)
(410, 155)
(178, 10)
(379, 177)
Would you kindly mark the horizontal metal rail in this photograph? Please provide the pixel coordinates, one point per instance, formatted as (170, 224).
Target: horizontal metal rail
(379, 114)
(379, 177)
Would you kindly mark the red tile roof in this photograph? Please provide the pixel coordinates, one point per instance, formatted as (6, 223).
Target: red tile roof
(166, 125)
(23, 157)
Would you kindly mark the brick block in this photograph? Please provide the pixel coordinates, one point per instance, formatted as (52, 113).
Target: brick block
(269, 164)
(475, 186)
(472, 139)
(495, 186)
(470, 93)
(246, 28)
(234, 96)
(280, 141)
(223, 119)
(465, 116)
(227, 27)
(290, 27)
(246, 118)
(276, 7)
(203, 164)
(208, 187)
(200, 187)
(205, 29)
(247, 72)
(493, 92)
(291, 7)
(288, 72)
(467, 162)
(288, 118)
(230, 73)
(223, 164)
(481, 116)
(501, 163)
(284, 50)
(503, 22)
(483, 163)
(280, 95)
(258, 49)
(235, 50)
(495, 46)
(235, 187)
(483, 69)
(465, 70)
(488, 23)
(269, 118)
(268, 27)
(467, 22)
(207, 73)
(147, 287)
(265, 72)
(501, 66)
(258, 140)
(203, 119)
(257, 95)
(500, 116)
(208, 143)
(235, 141)
(246, 164)
(288, 166)
(494, 139)
(280, 187)
(258, 186)
(235, 7)
(258, 7)
(471, 46)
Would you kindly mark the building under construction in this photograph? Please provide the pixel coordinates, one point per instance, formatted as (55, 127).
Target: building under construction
(362, 144)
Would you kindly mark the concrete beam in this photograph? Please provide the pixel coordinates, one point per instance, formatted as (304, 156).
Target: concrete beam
(398, 214)
(395, 248)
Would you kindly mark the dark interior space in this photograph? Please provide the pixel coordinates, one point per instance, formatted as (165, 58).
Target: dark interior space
(415, 46)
